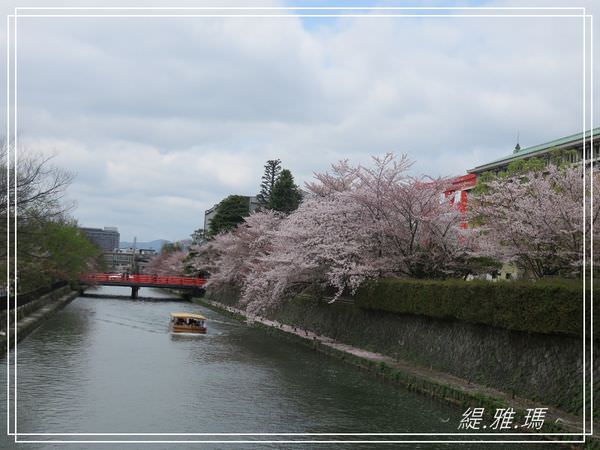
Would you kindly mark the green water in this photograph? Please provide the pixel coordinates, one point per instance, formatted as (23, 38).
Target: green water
(110, 365)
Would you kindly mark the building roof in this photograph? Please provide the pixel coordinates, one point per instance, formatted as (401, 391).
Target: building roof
(534, 150)
(182, 315)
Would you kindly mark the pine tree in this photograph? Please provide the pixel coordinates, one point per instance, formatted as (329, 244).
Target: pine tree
(272, 171)
(285, 195)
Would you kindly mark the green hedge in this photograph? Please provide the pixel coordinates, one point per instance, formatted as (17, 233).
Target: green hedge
(538, 307)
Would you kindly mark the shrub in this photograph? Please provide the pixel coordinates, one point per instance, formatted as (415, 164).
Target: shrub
(551, 307)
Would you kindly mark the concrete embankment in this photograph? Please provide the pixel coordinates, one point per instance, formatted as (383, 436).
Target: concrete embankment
(543, 367)
(32, 314)
(438, 384)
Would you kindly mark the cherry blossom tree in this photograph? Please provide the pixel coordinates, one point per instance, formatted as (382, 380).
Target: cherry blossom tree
(358, 223)
(413, 231)
(321, 244)
(232, 257)
(168, 263)
(361, 222)
(535, 220)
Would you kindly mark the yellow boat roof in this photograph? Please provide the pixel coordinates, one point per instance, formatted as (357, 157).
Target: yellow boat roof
(183, 315)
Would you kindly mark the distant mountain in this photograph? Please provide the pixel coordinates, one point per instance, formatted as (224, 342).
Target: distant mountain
(156, 245)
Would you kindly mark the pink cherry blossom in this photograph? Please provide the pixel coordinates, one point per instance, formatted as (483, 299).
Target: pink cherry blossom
(356, 223)
(535, 220)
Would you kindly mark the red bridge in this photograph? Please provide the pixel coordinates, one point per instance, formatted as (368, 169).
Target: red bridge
(138, 281)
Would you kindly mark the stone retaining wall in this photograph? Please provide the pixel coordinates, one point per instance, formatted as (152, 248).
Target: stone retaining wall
(32, 314)
(544, 368)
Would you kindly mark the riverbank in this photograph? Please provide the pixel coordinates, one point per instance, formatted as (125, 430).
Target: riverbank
(32, 314)
(545, 367)
(443, 386)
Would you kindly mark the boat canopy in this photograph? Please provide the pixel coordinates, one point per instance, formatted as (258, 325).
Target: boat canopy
(182, 315)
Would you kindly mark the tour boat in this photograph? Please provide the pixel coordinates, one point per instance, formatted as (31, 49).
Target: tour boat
(188, 323)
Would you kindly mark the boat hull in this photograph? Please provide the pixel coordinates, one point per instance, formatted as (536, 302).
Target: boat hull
(187, 329)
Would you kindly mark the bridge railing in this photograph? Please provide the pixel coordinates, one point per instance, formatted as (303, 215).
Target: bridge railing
(143, 279)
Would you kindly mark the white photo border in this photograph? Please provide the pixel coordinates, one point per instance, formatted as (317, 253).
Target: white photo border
(12, 19)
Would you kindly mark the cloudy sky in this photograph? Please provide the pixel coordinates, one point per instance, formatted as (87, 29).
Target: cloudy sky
(160, 118)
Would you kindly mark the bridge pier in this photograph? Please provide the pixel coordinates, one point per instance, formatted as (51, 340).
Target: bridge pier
(134, 291)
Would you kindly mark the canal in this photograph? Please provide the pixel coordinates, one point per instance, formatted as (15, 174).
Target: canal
(110, 365)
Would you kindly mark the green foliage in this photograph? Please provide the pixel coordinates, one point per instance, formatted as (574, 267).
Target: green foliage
(230, 212)
(69, 250)
(46, 238)
(552, 307)
(60, 251)
(272, 171)
(285, 196)
(199, 236)
(170, 247)
(520, 167)
(482, 183)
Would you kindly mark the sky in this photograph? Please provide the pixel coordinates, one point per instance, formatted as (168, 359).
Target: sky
(161, 118)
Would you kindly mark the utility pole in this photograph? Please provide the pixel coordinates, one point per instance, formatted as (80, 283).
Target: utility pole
(133, 268)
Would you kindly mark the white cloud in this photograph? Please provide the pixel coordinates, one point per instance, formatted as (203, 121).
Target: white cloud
(161, 118)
